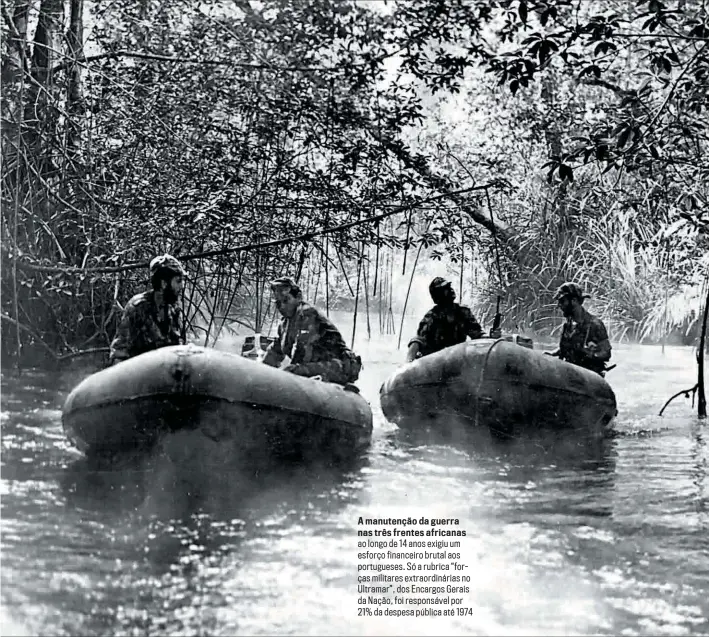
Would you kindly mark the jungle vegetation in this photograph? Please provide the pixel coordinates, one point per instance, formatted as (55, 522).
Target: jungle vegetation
(345, 142)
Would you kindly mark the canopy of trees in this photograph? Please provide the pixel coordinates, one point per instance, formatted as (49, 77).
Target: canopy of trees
(332, 137)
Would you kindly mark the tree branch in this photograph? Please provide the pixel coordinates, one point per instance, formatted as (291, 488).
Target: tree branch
(307, 236)
(122, 53)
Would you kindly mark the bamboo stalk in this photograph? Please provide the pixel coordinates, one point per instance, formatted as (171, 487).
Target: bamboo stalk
(189, 305)
(327, 277)
(234, 290)
(702, 399)
(344, 273)
(317, 281)
(359, 273)
(218, 289)
(257, 294)
(366, 296)
(390, 311)
(328, 124)
(408, 292)
(406, 241)
(380, 301)
(462, 263)
(664, 320)
(15, 225)
(376, 265)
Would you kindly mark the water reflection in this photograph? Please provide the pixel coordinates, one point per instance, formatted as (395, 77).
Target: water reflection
(543, 448)
(563, 536)
(155, 486)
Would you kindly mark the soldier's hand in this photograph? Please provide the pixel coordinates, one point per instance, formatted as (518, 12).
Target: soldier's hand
(293, 369)
(590, 349)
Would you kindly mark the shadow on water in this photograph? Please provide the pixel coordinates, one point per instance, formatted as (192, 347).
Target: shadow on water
(551, 476)
(562, 449)
(179, 515)
(188, 474)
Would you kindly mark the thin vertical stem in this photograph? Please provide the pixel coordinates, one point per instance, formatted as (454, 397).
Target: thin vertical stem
(390, 311)
(702, 399)
(366, 296)
(408, 291)
(381, 315)
(15, 224)
(359, 276)
(664, 320)
(327, 276)
(376, 265)
(462, 264)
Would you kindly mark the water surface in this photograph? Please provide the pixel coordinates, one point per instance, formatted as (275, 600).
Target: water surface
(562, 539)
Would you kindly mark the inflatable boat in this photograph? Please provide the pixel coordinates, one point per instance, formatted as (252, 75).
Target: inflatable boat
(504, 385)
(129, 406)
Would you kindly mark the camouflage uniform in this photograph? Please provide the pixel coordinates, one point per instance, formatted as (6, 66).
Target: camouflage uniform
(443, 326)
(141, 328)
(575, 337)
(315, 347)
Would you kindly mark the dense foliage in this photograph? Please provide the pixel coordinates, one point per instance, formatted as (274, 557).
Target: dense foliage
(569, 135)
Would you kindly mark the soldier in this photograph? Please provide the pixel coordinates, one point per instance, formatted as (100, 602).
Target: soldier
(308, 337)
(584, 339)
(446, 324)
(152, 319)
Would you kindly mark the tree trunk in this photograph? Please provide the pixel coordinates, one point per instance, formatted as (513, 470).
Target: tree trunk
(17, 54)
(46, 49)
(14, 65)
(75, 97)
(419, 165)
(552, 134)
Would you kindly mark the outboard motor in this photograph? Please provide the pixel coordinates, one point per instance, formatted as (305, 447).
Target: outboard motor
(255, 346)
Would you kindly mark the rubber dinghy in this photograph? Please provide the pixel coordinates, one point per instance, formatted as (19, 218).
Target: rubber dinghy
(500, 384)
(130, 405)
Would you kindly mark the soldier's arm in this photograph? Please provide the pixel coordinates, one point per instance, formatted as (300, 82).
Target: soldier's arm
(472, 327)
(121, 343)
(274, 354)
(324, 335)
(181, 326)
(413, 351)
(423, 334)
(599, 336)
(558, 352)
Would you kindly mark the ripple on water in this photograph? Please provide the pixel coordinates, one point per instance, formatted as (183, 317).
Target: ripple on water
(559, 541)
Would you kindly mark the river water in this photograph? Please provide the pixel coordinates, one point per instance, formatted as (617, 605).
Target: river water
(559, 541)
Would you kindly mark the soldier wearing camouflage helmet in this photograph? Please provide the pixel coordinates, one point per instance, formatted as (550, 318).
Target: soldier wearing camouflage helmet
(152, 319)
(444, 325)
(584, 339)
(309, 338)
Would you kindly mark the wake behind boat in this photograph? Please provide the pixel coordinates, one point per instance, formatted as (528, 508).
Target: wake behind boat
(505, 386)
(129, 406)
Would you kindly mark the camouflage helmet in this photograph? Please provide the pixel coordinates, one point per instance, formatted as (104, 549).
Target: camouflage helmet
(166, 264)
(438, 284)
(571, 291)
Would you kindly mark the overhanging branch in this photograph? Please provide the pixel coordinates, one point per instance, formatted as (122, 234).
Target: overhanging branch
(307, 236)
